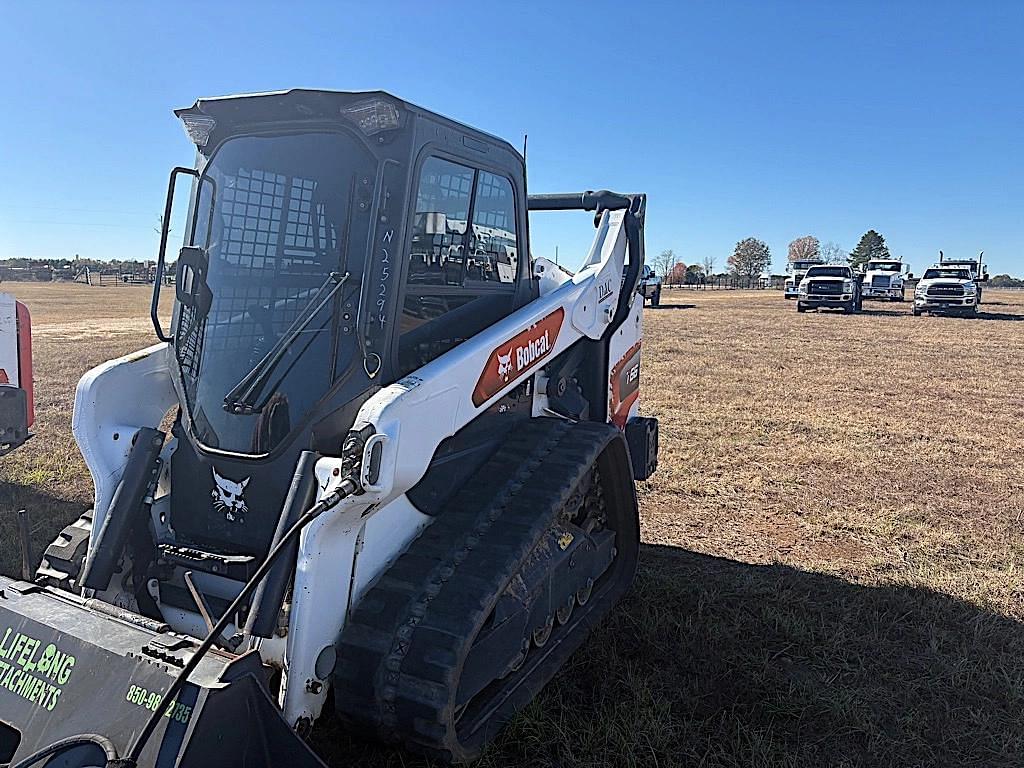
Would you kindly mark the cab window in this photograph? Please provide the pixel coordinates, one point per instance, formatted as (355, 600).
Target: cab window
(463, 262)
(494, 256)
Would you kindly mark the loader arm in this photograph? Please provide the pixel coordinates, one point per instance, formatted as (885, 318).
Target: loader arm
(411, 418)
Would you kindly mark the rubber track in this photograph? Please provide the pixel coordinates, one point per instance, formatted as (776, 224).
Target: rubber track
(403, 645)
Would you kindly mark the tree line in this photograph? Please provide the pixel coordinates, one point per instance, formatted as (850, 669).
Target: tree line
(752, 257)
(121, 265)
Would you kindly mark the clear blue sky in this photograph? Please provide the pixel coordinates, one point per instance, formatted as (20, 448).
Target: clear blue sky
(761, 119)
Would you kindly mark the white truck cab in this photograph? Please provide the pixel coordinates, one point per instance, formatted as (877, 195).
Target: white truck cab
(797, 270)
(946, 289)
(885, 279)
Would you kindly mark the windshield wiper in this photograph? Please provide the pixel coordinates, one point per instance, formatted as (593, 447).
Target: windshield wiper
(244, 396)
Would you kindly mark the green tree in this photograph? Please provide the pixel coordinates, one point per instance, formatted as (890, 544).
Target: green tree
(751, 258)
(1005, 281)
(871, 246)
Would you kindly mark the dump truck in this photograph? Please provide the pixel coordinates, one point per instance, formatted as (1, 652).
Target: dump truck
(375, 469)
(17, 406)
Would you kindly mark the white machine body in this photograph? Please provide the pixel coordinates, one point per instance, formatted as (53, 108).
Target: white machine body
(345, 549)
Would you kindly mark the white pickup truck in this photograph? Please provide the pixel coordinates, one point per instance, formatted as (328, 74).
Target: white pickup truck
(884, 279)
(979, 271)
(945, 289)
(830, 286)
(797, 270)
(650, 286)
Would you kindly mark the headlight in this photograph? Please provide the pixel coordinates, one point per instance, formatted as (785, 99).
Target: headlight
(970, 288)
(847, 286)
(198, 127)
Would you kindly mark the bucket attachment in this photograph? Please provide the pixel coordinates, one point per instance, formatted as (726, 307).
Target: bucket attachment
(70, 666)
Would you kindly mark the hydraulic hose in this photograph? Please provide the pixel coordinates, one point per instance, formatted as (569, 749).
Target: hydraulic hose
(347, 487)
(71, 741)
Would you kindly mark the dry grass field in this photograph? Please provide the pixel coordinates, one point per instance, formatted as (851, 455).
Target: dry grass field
(832, 570)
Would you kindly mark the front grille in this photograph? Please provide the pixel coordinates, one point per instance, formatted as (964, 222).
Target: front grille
(822, 287)
(946, 290)
(880, 281)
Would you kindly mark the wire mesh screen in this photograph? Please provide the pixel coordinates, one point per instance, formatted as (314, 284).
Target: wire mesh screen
(271, 251)
(276, 216)
(190, 332)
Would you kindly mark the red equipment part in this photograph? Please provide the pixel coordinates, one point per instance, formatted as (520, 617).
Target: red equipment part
(25, 359)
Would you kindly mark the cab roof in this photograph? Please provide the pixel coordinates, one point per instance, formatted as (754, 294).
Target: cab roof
(309, 104)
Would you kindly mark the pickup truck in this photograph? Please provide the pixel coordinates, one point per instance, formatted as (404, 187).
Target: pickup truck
(797, 270)
(979, 271)
(945, 289)
(650, 286)
(830, 286)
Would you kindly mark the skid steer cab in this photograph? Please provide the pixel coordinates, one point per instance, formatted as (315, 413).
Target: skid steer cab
(379, 455)
(17, 411)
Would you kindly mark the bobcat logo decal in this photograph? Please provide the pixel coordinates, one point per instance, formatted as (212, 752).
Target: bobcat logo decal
(505, 364)
(228, 497)
(515, 356)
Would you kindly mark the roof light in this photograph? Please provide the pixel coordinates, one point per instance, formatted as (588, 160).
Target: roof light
(373, 116)
(198, 128)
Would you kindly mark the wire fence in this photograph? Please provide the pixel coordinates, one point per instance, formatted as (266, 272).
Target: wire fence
(728, 283)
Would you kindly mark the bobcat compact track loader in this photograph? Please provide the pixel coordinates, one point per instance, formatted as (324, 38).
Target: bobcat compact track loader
(400, 464)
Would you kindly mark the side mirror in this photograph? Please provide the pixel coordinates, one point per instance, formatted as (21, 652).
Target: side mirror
(190, 286)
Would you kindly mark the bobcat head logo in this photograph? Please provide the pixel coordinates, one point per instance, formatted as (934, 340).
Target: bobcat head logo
(227, 497)
(505, 364)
